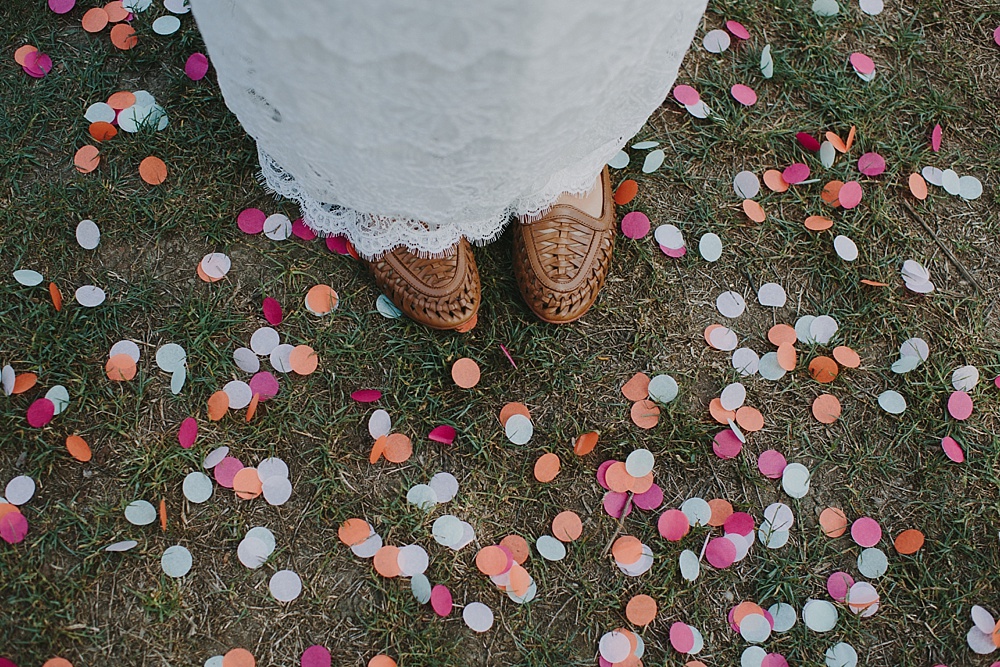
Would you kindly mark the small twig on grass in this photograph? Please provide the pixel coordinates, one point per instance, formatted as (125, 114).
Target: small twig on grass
(621, 522)
(954, 260)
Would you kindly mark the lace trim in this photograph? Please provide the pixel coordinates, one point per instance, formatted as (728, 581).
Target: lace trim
(373, 235)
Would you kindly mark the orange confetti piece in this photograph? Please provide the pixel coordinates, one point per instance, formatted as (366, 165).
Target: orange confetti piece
(626, 192)
(218, 405)
(826, 408)
(719, 413)
(491, 561)
(24, 382)
(7, 508)
(78, 448)
(163, 514)
(102, 131)
(617, 477)
(465, 372)
(238, 657)
(123, 36)
(831, 193)
(120, 368)
(782, 333)
(775, 181)
(57, 662)
(303, 359)
(56, 296)
(846, 357)
(205, 277)
(567, 526)
(850, 138)
(152, 169)
(754, 210)
(517, 546)
(585, 443)
(909, 542)
(645, 414)
(87, 159)
(749, 419)
(744, 609)
(641, 610)
(321, 300)
(873, 283)
(627, 549)
(94, 20)
(353, 532)
(386, 561)
(546, 467)
(247, 484)
(123, 99)
(721, 510)
(252, 408)
(463, 328)
(837, 142)
(378, 448)
(818, 223)
(787, 356)
(823, 369)
(918, 186)
(637, 388)
(640, 484)
(833, 521)
(22, 53)
(116, 12)
(398, 448)
(381, 660)
(520, 580)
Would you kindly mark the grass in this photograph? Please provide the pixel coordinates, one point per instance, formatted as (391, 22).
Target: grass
(63, 595)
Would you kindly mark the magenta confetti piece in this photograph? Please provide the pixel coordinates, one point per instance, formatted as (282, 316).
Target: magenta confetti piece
(444, 434)
(936, 138)
(13, 527)
(771, 464)
(807, 141)
(196, 66)
(264, 385)
(686, 95)
(251, 220)
(301, 230)
(635, 224)
(739, 522)
(188, 433)
(720, 553)
(337, 245)
(272, 311)
(745, 95)
(441, 600)
(795, 173)
(676, 253)
(850, 194)
(316, 656)
(866, 532)
(952, 449)
(673, 525)
(41, 412)
(871, 164)
(737, 29)
(366, 395)
(649, 499)
(226, 471)
(62, 6)
(960, 405)
(4, 662)
(615, 503)
(726, 444)
(507, 354)
(862, 63)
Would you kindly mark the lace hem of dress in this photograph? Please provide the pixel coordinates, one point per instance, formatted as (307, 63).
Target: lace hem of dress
(373, 235)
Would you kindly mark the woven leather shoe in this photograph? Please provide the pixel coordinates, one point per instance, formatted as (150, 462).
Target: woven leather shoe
(562, 259)
(441, 293)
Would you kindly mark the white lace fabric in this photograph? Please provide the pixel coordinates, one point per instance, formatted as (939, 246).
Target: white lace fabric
(401, 123)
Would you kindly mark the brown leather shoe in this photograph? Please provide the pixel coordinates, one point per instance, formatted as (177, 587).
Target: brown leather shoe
(562, 259)
(441, 293)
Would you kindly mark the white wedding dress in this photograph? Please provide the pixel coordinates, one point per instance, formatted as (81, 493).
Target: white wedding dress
(417, 122)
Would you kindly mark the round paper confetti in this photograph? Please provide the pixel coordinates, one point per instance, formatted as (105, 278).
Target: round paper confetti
(176, 561)
(465, 372)
(285, 585)
(635, 225)
(478, 616)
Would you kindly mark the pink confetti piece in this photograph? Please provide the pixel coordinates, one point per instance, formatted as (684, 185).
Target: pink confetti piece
(866, 532)
(272, 311)
(615, 503)
(960, 405)
(264, 385)
(337, 245)
(316, 656)
(850, 194)
(740, 523)
(681, 637)
(13, 527)
(444, 434)
(996, 382)
(807, 141)
(952, 449)
(871, 164)
(862, 63)
(441, 600)
(251, 220)
(635, 225)
(774, 659)
(795, 173)
(188, 433)
(771, 464)
(62, 6)
(936, 138)
(366, 395)
(745, 95)
(726, 444)
(650, 499)
(673, 525)
(37, 64)
(720, 553)
(838, 585)
(301, 230)
(686, 95)
(737, 29)
(996, 36)
(507, 354)
(676, 253)
(226, 471)
(41, 412)
(196, 66)
(602, 471)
